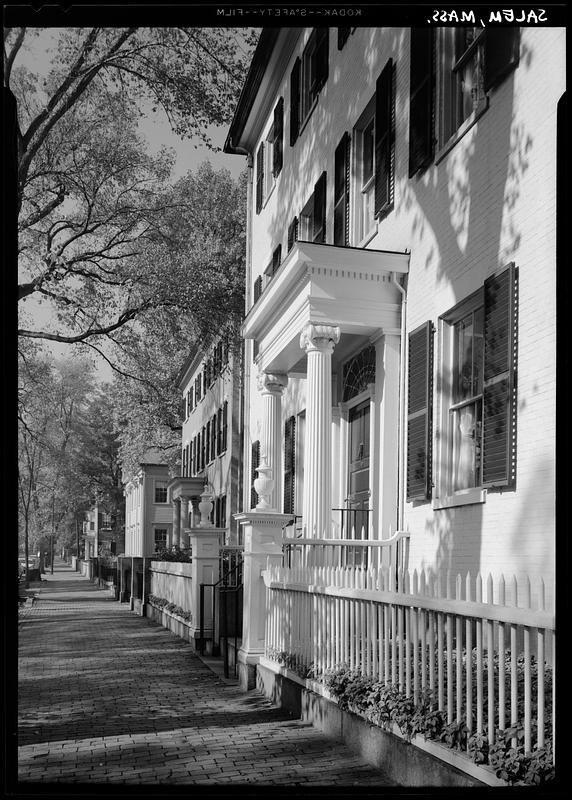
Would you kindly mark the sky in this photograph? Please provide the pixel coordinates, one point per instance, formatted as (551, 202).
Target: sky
(155, 128)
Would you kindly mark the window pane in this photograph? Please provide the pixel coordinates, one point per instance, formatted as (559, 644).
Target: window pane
(467, 426)
(368, 150)
(478, 350)
(463, 367)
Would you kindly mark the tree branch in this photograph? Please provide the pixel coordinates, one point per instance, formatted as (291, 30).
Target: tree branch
(66, 105)
(9, 59)
(126, 317)
(43, 212)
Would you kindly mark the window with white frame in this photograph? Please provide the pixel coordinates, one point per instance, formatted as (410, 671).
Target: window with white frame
(476, 401)
(160, 491)
(312, 222)
(309, 74)
(364, 138)
(463, 344)
(461, 78)
(269, 157)
(160, 535)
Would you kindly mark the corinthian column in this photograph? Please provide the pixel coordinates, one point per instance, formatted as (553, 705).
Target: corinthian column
(184, 521)
(271, 387)
(319, 342)
(176, 522)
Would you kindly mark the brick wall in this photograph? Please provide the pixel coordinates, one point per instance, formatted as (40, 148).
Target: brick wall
(489, 201)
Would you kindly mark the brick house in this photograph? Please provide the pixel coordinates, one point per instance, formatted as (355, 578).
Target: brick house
(210, 383)
(401, 287)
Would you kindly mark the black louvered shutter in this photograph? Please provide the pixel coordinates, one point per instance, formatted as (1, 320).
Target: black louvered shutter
(384, 134)
(257, 288)
(319, 215)
(499, 386)
(322, 57)
(184, 462)
(219, 432)
(278, 134)
(292, 233)
(419, 412)
(259, 177)
(203, 447)
(343, 34)
(342, 191)
(276, 258)
(289, 464)
(224, 425)
(502, 46)
(295, 102)
(254, 464)
(421, 99)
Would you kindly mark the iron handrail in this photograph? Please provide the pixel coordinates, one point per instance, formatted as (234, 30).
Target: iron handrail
(226, 589)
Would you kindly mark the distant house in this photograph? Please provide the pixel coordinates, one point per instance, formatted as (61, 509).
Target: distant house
(148, 510)
(100, 532)
(210, 382)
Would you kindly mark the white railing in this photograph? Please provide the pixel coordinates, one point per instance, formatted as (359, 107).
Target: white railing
(415, 633)
(357, 551)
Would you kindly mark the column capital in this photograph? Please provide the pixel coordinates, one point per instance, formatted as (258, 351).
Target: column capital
(271, 382)
(319, 337)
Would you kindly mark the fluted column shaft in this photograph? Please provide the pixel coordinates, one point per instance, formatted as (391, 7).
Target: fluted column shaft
(319, 342)
(184, 520)
(176, 522)
(271, 387)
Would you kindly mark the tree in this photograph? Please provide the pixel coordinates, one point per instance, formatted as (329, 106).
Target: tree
(89, 197)
(51, 396)
(198, 272)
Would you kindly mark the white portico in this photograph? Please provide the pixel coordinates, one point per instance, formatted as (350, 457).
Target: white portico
(323, 304)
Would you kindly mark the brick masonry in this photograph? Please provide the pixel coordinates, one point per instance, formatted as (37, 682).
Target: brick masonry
(106, 696)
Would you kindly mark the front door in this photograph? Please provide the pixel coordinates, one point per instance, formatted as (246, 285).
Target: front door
(358, 471)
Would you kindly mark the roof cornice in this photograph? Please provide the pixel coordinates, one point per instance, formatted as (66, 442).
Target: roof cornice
(274, 44)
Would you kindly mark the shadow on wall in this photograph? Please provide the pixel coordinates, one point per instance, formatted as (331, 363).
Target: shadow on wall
(313, 151)
(458, 550)
(455, 205)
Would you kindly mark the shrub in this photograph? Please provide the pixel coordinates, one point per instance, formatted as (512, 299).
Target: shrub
(174, 553)
(384, 704)
(162, 604)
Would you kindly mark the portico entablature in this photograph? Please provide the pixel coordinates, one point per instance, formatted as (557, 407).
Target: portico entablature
(349, 287)
(185, 488)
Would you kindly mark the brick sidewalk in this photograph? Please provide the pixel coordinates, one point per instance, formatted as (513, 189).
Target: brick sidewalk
(106, 696)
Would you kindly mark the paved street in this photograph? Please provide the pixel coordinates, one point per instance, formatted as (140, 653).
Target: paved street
(106, 696)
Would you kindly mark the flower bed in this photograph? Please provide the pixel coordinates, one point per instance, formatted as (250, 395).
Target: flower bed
(174, 553)
(162, 604)
(385, 705)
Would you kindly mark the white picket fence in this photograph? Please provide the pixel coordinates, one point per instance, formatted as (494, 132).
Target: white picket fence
(415, 633)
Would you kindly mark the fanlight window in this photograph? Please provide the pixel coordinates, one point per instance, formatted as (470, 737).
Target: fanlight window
(359, 372)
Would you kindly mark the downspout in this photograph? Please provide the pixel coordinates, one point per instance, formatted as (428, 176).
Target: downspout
(402, 389)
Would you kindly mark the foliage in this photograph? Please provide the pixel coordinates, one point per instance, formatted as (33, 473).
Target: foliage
(174, 553)
(90, 197)
(68, 454)
(164, 605)
(197, 274)
(385, 704)
(291, 662)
